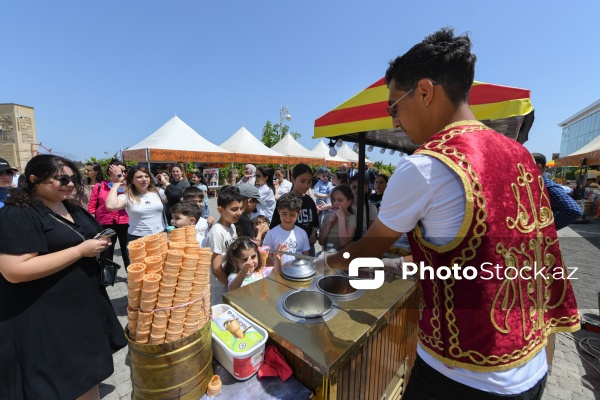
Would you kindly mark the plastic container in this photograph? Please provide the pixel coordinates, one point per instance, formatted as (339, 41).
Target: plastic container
(241, 359)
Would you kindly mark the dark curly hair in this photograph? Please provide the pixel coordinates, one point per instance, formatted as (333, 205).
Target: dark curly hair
(445, 59)
(43, 167)
(234, 251)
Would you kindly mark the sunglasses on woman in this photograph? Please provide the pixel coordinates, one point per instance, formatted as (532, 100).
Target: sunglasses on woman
(64, 180)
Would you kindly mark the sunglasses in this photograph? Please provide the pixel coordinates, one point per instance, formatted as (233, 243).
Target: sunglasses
(258, 176)
(9, 173)
(64, 180)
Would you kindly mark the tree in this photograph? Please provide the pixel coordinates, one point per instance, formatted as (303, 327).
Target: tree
(104, 161)
(271, 134)
(383, 168)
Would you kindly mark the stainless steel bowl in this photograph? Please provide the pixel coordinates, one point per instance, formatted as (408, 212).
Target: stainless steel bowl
(298, 270)
(307, 304)
(336, 287)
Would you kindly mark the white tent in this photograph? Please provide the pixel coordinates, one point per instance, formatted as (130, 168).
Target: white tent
(346, 152)
(175, 141)
(322, 150)
(248, 149)
(177, 135)
(288, 146)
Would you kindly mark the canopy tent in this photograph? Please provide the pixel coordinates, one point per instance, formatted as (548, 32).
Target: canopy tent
(172, 142)
(505, 109)
(322, 150)
(347, 153)
(248, 149)
(591, 152)
(364, 119)
(289, 147)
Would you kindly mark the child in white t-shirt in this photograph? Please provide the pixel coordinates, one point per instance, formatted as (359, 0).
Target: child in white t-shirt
(287, 233)
(220, 237)
(186, 213)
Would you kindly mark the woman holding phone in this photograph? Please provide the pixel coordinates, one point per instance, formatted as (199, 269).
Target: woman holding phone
(57, 324)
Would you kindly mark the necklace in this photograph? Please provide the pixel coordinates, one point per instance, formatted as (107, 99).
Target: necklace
(57, 210)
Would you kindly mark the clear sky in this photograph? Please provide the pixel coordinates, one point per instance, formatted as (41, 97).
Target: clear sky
(103, 75)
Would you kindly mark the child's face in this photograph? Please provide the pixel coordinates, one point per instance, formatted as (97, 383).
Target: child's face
(179, 220)
(338, 200)
(302, 183)
(248, 256)
(324, 176)
(232, 212)
(258, 224)
(197, 200)
(288, 218)
(380, 185)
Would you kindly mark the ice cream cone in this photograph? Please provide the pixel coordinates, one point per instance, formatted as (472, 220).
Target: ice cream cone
(179, 313)
(150, 281)
(161, 317)
(134, 284)
(187, 273)
(173, 335)
(153, 264)
(138, 259)
(170, 279)
(136, 271)
(264, 254)
(214, 386)
(166, 289)
(144, 317)
(141, 336)
(164, 300)
(156, 339)
(148, 304)
(133, 302)
(133, 293)
(148, 294)
(234, 327)
(192, 317)
(175, 256)
(131, 313)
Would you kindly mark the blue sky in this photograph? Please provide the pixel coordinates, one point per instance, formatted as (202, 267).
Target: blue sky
(103, 75)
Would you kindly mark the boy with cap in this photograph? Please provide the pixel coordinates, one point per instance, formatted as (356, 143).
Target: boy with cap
(251, 197)
(6, 179)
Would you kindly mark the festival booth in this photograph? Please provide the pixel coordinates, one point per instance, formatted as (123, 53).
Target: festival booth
(289, 147)
(175, 141)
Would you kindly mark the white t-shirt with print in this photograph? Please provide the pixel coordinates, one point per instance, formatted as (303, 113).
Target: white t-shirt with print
(296, 241)
(424, 190)
(146, 216)
(219, 238)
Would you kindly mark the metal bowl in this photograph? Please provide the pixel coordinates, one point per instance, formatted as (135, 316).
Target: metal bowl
(298, 270)
(307, 304)
(337, 287)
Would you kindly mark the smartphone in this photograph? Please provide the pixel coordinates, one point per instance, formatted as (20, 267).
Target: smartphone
(105, 234)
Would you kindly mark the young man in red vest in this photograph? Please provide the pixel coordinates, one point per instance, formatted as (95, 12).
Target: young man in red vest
(482, 336)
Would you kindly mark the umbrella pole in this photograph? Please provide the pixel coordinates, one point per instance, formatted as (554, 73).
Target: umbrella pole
(360, 203)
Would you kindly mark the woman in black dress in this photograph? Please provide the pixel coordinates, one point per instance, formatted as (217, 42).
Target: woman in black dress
(57, 324)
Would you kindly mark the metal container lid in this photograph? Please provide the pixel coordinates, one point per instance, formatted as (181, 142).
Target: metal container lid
(299, 269)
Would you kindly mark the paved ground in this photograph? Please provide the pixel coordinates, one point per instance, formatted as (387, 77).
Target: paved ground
(575, 375)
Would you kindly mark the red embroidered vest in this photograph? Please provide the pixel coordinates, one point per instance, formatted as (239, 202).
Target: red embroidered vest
(488, 324)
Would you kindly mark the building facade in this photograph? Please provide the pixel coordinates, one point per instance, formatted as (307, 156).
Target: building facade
(580, 129)
(18, 138)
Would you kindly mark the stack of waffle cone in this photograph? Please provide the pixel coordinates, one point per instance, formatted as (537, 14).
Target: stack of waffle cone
(178, 235)
(137, 251)
(168, 289)
(152, 245)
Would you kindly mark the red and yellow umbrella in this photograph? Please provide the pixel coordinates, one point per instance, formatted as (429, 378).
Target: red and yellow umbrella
(508, 110)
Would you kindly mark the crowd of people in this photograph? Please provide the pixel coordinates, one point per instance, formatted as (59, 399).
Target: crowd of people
(59, 328)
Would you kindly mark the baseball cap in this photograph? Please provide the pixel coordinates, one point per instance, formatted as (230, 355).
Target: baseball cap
(322, 169)
(5, 166)
(250, 192)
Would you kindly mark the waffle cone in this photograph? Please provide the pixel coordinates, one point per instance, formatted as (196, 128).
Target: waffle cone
(175, 324)
(148, 304)
(151, 242)
(175, 256)
(161, 317)
(189, 329)
(165, 299)
(187, 273)
(150, 281)
(192, 248)
(190, 260)
(133, 302)
(173, 335)
(170, 279)
(133, 293)
(144, 317)
(136, 245)
(158, 329)
(148, 294)
(131, 324)
(172, 268)
(179, 313)
(184, 285)
(136, 271)
(134, 284)
(132, 314)
(138, 259)
(142, 336)
(193, 317)
(153, 252)
(156, 339)
(183, 295)
(166, 289)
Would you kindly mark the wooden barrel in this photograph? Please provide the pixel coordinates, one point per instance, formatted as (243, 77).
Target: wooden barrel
(176, 370)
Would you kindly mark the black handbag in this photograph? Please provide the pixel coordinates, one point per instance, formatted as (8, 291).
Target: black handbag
(108, 271)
